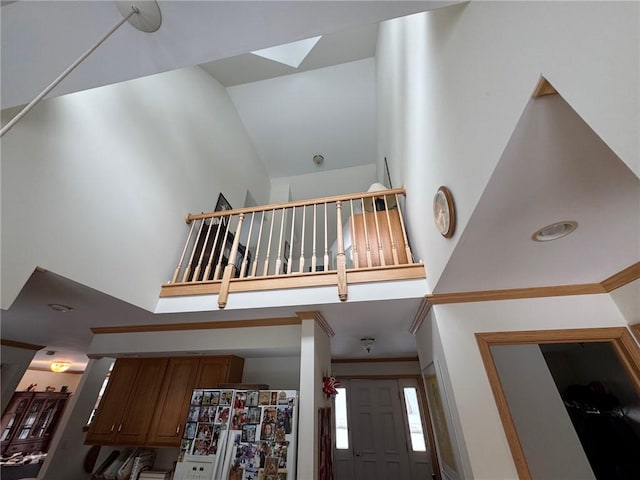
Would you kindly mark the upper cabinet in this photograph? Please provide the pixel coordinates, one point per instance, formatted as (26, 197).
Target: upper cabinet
(216, 370)
(173, 403)
(147, 399)
(126, 409)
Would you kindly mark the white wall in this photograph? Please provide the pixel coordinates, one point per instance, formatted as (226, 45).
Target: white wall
(49, 379)
(375, 368)
(431, 355)
(452, 83)
(627, 299)
(549, 440)
(315, 362)
(14, 363)
(481, 436)
(257, 341)
(325, 183)
(96, 184)
(330, 111)
(281, 373)
(67, 449)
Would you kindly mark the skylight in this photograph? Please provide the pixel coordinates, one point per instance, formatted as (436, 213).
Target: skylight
(291, 54)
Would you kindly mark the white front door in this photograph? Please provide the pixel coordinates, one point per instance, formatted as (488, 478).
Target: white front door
(379, 439)
(384, 440)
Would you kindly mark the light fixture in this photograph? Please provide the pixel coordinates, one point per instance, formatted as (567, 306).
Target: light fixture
(367, 343)
(59, 367)
(58, 307)
(554, 231)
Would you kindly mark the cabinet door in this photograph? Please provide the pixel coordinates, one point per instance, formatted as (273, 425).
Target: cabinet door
(12, 417)
(138, 413)
(212, 372)
(216, 370)
(103, 428)
(26, 429)
(173, 403)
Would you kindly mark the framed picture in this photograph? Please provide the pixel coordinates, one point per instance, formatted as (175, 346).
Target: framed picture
(287, 252)
(222, 205)
(440, 415)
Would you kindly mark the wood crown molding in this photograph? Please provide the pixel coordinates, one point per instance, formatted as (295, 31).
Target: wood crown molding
(544, 88)
(319, 319)
(421, 314)
(608, 285)
(26, 346)
(374, 360)
(515, 293)
(635, 329)
(622, 278)
(43, 369)
(169, 327)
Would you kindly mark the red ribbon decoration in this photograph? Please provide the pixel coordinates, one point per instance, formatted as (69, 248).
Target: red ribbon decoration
(329, 386)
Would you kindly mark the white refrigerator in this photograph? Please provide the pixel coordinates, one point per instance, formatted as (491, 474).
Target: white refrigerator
(239, 435)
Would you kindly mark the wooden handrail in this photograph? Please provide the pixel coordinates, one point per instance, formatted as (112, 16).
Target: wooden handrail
(377, 239)
(276, 206)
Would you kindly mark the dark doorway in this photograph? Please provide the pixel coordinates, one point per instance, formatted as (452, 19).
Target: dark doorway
(602, 403)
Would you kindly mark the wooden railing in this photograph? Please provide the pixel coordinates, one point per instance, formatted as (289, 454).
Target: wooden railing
(340, 234)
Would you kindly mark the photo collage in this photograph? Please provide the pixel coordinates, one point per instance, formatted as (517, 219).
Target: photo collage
(209, 414)
(259, 422)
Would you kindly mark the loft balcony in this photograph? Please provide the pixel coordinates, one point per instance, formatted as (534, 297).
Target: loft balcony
(334, 241)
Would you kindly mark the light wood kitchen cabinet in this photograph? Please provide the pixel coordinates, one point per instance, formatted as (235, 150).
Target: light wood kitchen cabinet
(173, 403)
(127, 407)
(216, 370)
(147, 399)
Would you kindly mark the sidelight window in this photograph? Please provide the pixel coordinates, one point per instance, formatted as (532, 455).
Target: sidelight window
(342, 429)
(414, 419)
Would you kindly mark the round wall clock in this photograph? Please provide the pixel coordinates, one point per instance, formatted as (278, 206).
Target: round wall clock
(444, 212)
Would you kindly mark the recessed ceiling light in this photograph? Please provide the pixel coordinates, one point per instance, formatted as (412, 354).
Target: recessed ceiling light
(554, 231)
(59, 307)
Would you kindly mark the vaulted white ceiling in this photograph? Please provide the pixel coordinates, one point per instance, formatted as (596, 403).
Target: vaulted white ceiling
(326, 105)
(553, 168)
(41, 38)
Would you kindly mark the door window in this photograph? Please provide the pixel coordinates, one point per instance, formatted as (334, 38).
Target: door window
(342, 427)
(414, 419)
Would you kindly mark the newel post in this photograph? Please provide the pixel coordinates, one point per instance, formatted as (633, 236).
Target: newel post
(341, 259)
(229, 269)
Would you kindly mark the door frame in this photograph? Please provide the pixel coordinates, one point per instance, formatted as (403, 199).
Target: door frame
(424, 413)
(622, 341)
